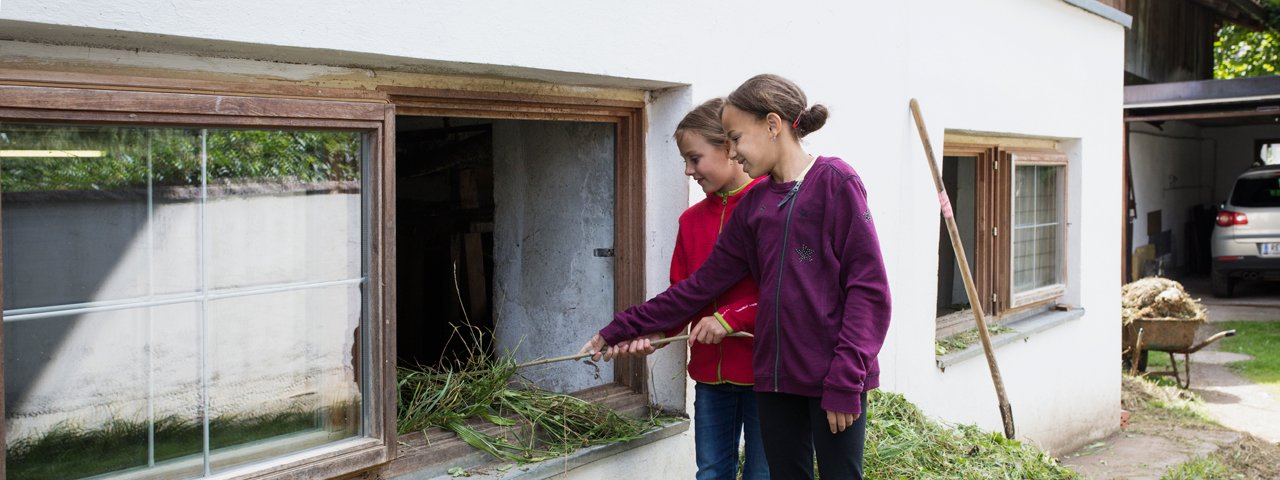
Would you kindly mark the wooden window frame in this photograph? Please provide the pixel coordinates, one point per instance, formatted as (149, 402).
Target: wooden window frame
(99, 103)
(628, 118)
(53, 96)
(629, 176)
(996, 162)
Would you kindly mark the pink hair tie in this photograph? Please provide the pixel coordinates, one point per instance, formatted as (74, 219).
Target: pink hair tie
(796, 123)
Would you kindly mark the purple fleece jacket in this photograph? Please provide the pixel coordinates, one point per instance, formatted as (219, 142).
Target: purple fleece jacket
(824, 297)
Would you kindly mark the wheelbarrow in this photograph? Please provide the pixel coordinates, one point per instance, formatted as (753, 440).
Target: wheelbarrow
(1169, 335)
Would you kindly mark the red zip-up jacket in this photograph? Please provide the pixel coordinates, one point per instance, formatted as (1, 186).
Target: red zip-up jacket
(730, 360)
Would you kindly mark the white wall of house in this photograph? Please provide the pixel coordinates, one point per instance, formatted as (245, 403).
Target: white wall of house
(1023, 67)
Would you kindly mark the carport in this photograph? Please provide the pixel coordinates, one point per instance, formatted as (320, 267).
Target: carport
(1185, 144)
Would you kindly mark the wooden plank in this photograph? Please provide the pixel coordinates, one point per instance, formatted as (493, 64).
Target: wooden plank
(629, 208)
(4, 446)
(1003, 248)
(181, 121)
(10, 76)
(382, 282)
(401, 95)
(504, 114)
(58, 98)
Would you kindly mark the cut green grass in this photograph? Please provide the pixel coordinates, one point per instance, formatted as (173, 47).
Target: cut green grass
(464, 394)
(1260, 340)
(1200, 468)
(963, 340)
(903, 443)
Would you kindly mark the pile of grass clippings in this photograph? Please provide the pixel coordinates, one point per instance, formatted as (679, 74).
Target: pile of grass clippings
(1157, 298)
(903, 443)
(463, 395)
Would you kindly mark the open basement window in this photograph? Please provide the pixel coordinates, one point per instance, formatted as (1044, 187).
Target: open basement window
(504, 249)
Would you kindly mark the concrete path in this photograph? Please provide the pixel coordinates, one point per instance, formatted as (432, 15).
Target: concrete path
(1147, 452)
(1140, 454)
(1230, 399)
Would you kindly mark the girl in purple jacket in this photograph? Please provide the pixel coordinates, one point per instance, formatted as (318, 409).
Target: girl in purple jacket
(808, 238)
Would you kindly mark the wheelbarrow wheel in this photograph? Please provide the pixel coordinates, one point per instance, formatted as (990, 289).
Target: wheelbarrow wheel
(1184, 380)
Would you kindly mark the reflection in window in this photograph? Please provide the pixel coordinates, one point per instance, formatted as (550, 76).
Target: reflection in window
(178, 301)
(1036, 227)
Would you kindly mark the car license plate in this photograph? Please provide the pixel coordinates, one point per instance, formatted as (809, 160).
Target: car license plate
(1269, 249)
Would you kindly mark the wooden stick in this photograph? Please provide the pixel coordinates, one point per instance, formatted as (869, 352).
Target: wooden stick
(1006, 412)
(662, 341)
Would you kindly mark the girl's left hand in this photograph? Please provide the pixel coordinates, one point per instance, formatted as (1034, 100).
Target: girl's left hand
(708, 330)
(839, 421)
(598, 348)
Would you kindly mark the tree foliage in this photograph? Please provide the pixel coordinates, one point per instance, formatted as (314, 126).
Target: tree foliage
(1242, 52)
(136, 157)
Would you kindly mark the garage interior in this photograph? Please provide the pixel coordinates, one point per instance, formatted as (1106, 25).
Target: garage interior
(1186, 142)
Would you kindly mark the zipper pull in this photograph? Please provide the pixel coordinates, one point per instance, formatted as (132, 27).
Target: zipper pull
(790, 194)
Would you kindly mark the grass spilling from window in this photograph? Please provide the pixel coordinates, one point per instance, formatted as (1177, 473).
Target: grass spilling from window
(965, 339)
(70, 451)
(903, 443)
(1260, 340)
(463, 395)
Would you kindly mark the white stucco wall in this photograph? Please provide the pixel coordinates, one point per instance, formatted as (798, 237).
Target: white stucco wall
(553, 205)
(1026, 67)
(1172, 170)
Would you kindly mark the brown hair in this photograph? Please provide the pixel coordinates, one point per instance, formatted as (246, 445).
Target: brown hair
(704, 120)
(771, 93)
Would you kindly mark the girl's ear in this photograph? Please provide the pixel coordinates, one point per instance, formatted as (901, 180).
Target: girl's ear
(774, 123)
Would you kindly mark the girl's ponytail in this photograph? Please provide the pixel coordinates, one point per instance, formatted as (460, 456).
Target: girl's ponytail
(766, 93)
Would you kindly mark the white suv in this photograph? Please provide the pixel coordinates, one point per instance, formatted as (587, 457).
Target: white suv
(1246, 240)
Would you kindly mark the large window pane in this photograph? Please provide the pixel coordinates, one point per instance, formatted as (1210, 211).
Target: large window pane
(178, 301)
(1036, 220)
(282, 362)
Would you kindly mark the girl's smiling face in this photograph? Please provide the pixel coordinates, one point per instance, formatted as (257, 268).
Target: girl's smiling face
(751, 142)
(707, 163)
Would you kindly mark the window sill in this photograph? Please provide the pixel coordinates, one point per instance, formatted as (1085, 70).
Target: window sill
(1022, 329)
(432, 455)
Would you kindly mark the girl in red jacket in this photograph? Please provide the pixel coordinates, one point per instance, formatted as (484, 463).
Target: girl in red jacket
(724, 406)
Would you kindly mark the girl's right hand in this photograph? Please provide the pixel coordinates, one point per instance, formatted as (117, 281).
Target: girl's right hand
(708, 331)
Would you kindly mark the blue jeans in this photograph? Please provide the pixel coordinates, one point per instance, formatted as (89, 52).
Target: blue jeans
(722, 414)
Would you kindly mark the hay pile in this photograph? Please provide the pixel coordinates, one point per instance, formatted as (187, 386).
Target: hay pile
(1157, 298)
